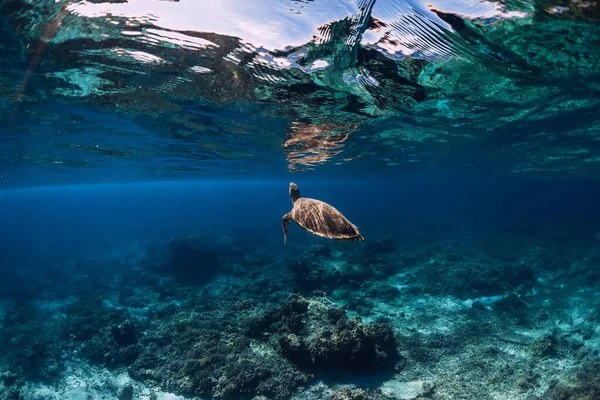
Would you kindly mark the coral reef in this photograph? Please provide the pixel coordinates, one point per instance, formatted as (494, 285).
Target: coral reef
(317, 335)
(584, 386)
(383, 321)
(351, 394)
(10, 394)
(125, 392)
(31, 350)
(474, 276)
(322, 268)
(203, 351)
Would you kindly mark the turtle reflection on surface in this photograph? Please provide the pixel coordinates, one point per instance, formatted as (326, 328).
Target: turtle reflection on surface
(312, 144)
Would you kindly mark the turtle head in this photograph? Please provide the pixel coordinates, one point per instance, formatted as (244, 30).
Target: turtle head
(294, 192)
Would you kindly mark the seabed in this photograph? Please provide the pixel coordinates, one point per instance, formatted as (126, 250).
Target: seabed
(414, 316)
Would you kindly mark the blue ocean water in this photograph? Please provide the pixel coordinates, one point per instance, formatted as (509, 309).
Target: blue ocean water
(146, 154)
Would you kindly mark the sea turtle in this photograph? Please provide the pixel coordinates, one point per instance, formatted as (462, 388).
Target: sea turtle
(318, 218)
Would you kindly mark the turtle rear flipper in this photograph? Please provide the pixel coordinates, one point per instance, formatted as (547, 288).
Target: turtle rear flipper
(285, 224)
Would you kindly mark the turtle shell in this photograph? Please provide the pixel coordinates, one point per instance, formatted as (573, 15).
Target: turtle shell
(321, 219)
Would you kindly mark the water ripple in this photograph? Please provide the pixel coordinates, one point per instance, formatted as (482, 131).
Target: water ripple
(320, 84)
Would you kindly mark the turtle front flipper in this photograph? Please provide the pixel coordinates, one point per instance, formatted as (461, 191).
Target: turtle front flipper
(285, 223)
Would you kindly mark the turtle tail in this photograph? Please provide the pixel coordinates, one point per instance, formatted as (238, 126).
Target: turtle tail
(285, 224)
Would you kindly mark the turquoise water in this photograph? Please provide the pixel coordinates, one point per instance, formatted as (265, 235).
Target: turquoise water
(146, 153)
(104, 91)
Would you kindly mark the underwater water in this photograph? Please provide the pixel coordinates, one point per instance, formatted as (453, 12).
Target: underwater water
(147, 151)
